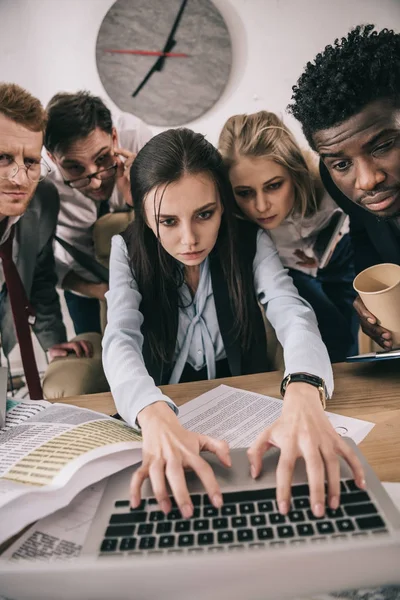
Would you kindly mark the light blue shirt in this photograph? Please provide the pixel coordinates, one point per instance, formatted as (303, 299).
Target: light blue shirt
(199, 341)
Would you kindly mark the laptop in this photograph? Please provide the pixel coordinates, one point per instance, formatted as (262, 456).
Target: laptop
(243, 550)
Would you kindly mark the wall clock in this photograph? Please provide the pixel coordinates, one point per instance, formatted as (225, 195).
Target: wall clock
(166, 61)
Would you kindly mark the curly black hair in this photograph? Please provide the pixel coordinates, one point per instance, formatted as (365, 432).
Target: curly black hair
(347, 76)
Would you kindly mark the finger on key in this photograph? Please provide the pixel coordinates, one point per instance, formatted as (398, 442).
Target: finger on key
(316, 480)
(352, 459)
(206, 475)
(256, 452)
(159, 485)
(332, 468)
(284, 477)
(176, 479)
(139, 476)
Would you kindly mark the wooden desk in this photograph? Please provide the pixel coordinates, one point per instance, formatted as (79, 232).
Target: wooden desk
(369, 391)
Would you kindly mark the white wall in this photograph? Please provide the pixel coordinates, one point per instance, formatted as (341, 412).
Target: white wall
(49, 45)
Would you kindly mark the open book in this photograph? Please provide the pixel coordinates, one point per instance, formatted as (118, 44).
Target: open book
(50, 452)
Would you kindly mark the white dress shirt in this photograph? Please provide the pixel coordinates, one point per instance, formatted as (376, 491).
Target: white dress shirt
(297, 233)
(11, 221)
(199, 341)
(78, 213)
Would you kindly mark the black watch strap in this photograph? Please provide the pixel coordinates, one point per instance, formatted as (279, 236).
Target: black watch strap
(314, 380)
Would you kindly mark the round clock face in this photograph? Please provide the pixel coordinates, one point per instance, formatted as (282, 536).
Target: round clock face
(166, 61)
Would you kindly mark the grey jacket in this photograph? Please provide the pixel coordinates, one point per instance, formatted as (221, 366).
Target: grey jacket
(33, 256)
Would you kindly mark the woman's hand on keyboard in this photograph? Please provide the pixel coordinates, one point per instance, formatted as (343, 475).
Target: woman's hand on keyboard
(304, 430)
(169, 449)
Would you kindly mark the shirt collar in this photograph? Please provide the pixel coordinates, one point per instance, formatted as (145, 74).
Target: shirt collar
(10, 222)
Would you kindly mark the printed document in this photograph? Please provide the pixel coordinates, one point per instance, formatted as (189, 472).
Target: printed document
(237, 416)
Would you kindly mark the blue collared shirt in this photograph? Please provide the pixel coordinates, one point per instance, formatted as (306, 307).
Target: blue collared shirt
(199, 341)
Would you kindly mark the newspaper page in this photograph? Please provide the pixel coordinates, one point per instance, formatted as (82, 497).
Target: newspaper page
(237, 416)
(49, 451)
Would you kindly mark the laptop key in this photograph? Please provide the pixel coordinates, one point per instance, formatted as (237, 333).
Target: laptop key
(351, 485)
(300, 490)
(128, 518)
(145, 529)
(152, 500)
(127, 544)
(187, 539)
(225, 537)
(265, 533)
(305, 529)
(246, 508)
(360, 509)
(174, 515)
(296, 516)
(196, 499)
(325, 527)
(354, 498)
(277, 518)
(147, 543)
(203, 539)
(312, 517)
(228, 510)
(109, 545)
(256, 545)
(239, 521)
(345, 525)
(165, 527)
(334, 513)
(249, 496)
(119, 531)
(257, 520)
(265, 506)
(285, 531)
(166, 541)
(120, 503)
(374, 522)
(220, 523)
(301, 503)
(210, 511)
(201, 524)
(236, 547)
(157, 515)
(181, 526)
(245, 535)
(140, 507)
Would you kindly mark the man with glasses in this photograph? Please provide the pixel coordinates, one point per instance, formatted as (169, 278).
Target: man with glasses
(90, 155)
(28, 216)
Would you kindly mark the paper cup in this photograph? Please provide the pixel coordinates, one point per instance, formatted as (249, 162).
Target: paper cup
(379, 289)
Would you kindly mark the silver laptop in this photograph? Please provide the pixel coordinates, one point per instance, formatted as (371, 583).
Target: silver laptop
(243, 550)
(248, 520)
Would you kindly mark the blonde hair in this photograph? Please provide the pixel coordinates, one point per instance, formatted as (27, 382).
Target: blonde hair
(265, 134)
(21, 107)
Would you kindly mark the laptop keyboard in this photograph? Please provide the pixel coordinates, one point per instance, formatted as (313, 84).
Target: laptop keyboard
(247, 519)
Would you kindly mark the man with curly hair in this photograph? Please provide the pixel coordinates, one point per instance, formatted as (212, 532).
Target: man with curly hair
(348, 103)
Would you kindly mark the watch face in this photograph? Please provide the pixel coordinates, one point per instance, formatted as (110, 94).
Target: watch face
(166, 61)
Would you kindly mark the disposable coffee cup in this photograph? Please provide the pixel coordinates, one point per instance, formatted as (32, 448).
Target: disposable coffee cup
(379, 289)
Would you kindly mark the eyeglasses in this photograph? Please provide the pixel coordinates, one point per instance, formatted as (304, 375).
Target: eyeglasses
(85, 181)
(35, 172)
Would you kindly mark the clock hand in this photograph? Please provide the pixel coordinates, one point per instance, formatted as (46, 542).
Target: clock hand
(149, 53)
(169, 44)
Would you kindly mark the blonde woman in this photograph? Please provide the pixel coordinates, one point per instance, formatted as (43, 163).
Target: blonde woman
(277, 187)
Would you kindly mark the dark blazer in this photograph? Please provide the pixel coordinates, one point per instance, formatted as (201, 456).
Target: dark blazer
(241, 362)
(374, 241)
(33, 256)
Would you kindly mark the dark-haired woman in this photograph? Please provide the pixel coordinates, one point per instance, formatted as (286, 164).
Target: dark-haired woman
(182, 306)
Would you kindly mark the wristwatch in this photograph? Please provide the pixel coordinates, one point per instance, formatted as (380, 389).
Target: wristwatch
(314, 380)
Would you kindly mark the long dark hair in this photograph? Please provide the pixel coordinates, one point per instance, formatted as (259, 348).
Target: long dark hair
(165, 159)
